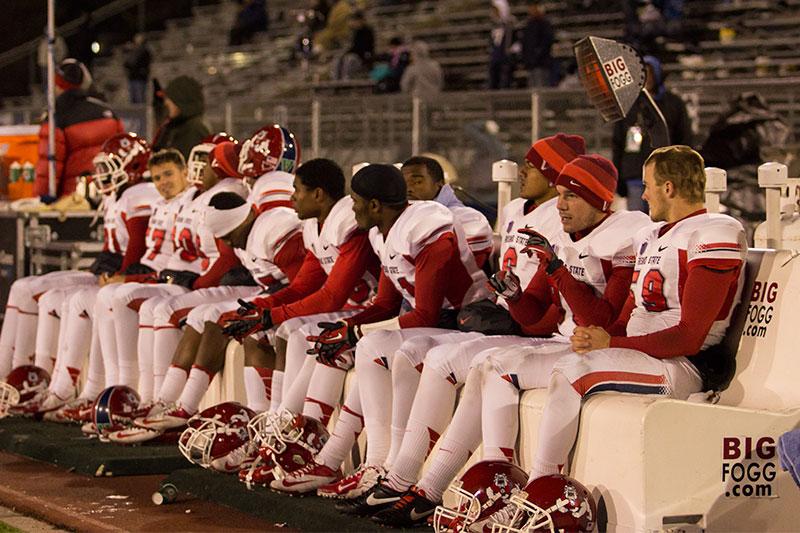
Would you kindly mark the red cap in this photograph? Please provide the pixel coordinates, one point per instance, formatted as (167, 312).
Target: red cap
(224, 159)
(592, 177)
(550, 154)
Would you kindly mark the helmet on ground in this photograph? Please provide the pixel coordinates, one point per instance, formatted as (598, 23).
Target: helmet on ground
(552, 503)
(122, 159)
(481, 491)
(23, 387)
(214, 433)
(293, 440)
(115, 409)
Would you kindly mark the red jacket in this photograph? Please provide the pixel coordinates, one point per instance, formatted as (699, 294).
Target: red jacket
(83, 124)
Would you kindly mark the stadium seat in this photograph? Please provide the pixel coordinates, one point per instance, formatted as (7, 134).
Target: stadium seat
(659, 463)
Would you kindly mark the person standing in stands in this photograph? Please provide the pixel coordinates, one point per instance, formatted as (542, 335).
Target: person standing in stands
(358, 57)
(184, 127)
(501, 62)
(137, 64)
(537, 41)
(83, 123)
(631, 142)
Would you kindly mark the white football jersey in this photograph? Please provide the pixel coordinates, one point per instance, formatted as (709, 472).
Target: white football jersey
(421, 224)
(269, 233)
(591, 259)
(662, 264)
(135, 201)
(339, 226)
(544, 219)
(159, 232)
(194, 244)
(272, 187)
(476, 228)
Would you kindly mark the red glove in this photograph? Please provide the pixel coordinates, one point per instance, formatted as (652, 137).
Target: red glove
(539, 245)
(335, 339)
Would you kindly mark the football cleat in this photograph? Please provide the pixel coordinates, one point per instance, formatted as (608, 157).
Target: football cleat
(307, 479)
(78, 410)
(237, 460)
(376, 499)
(353, 485)
(165, 419)
(133, 435)
(260, 473)
(412, 510)
(50, 401)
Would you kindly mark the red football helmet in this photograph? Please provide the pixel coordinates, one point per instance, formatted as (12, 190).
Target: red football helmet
(269, 148)
(115, 409)
(484, 489)
(23, 388)
(292, 441)
(214, 433)
(122, 159)
(199, 156)
(552, 503)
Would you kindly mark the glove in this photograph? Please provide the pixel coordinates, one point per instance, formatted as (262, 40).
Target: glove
(245, 321)
(106, 263)
(334, 340)
(506, 284)
(246, 308)
(539, 245)
(183, 278)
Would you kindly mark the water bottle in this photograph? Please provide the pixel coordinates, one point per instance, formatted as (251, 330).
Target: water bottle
(14, 172)
(28, 172)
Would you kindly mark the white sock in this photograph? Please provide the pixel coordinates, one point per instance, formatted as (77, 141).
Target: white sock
(500, 418)
(174, 382)
(345, 432)
(96, 376)
(47, 329)
(405, 380)
(108, 345)
(277, 390)
(147, 369)
(324, 392)
(256, 389)
(25, 341)
(196, 386)
(375, 384)
(126, 332)
(558, 428)
(7, 334)
(77, 340)
(295, 391)
(430, 414)
(459, 441)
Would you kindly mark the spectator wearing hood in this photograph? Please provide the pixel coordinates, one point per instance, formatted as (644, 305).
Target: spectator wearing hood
(631, 143)
(184, 126)
(83, 123)
(424, 75)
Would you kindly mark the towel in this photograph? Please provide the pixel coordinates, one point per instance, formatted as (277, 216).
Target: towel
(789, 452)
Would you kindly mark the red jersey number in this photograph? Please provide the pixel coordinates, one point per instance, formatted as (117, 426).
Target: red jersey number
(186, 244)
(157, 236)
(653, 297)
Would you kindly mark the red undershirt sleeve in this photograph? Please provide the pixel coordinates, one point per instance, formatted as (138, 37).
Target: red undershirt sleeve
(534, 302)
(309, 278)
(705, 293)
(617, 329)
(347, 271)
(385, 305)
(430, 281)
(225, 262)
(587, 307)
(137, 231)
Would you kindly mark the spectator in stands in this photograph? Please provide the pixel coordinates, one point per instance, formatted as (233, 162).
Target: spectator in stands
(41, 56)
(631, 142)
(397, 59)
(424, 75)
(318, 16)
(184, 126)
(358, 57)
(137, 64)
(501, 60)
(337, 29)
(537, 41)
(251, 19)
(83, 123)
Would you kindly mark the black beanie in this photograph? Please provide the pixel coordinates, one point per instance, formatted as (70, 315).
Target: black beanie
(380, 182)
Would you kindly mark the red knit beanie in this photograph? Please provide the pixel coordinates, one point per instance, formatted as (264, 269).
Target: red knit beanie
(592, 177)
(224, 159)
(550, 154)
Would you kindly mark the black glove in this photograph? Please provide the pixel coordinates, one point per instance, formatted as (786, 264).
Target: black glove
(334, 339)
(106, 263)
(184, 278)
(138, 268)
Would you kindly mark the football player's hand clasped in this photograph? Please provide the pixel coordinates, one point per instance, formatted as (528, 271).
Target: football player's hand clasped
(586, 339)
(539, 245)
(335, 339)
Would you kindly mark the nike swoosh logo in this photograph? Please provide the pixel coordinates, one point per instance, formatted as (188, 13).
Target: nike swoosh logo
(325, 247)
(372, 500)
(414, 515)
(287, 483)
(392, 256)
(583, 256)
(575, 183)
(544, 164)
(662, 248)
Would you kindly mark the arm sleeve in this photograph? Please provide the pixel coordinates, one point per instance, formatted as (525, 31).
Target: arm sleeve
(137, 231)
(705, 294)
(587, 307)
(354, 256)
(386, 304)
(309, 278)
(534, 302)
(430, 281)
(291, 255)
(225, 262)
(617, 329)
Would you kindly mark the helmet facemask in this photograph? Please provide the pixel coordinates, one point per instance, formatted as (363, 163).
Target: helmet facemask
(198, 159)
(464, 511)
(9, 397)
(109, 173)
(528, 515)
